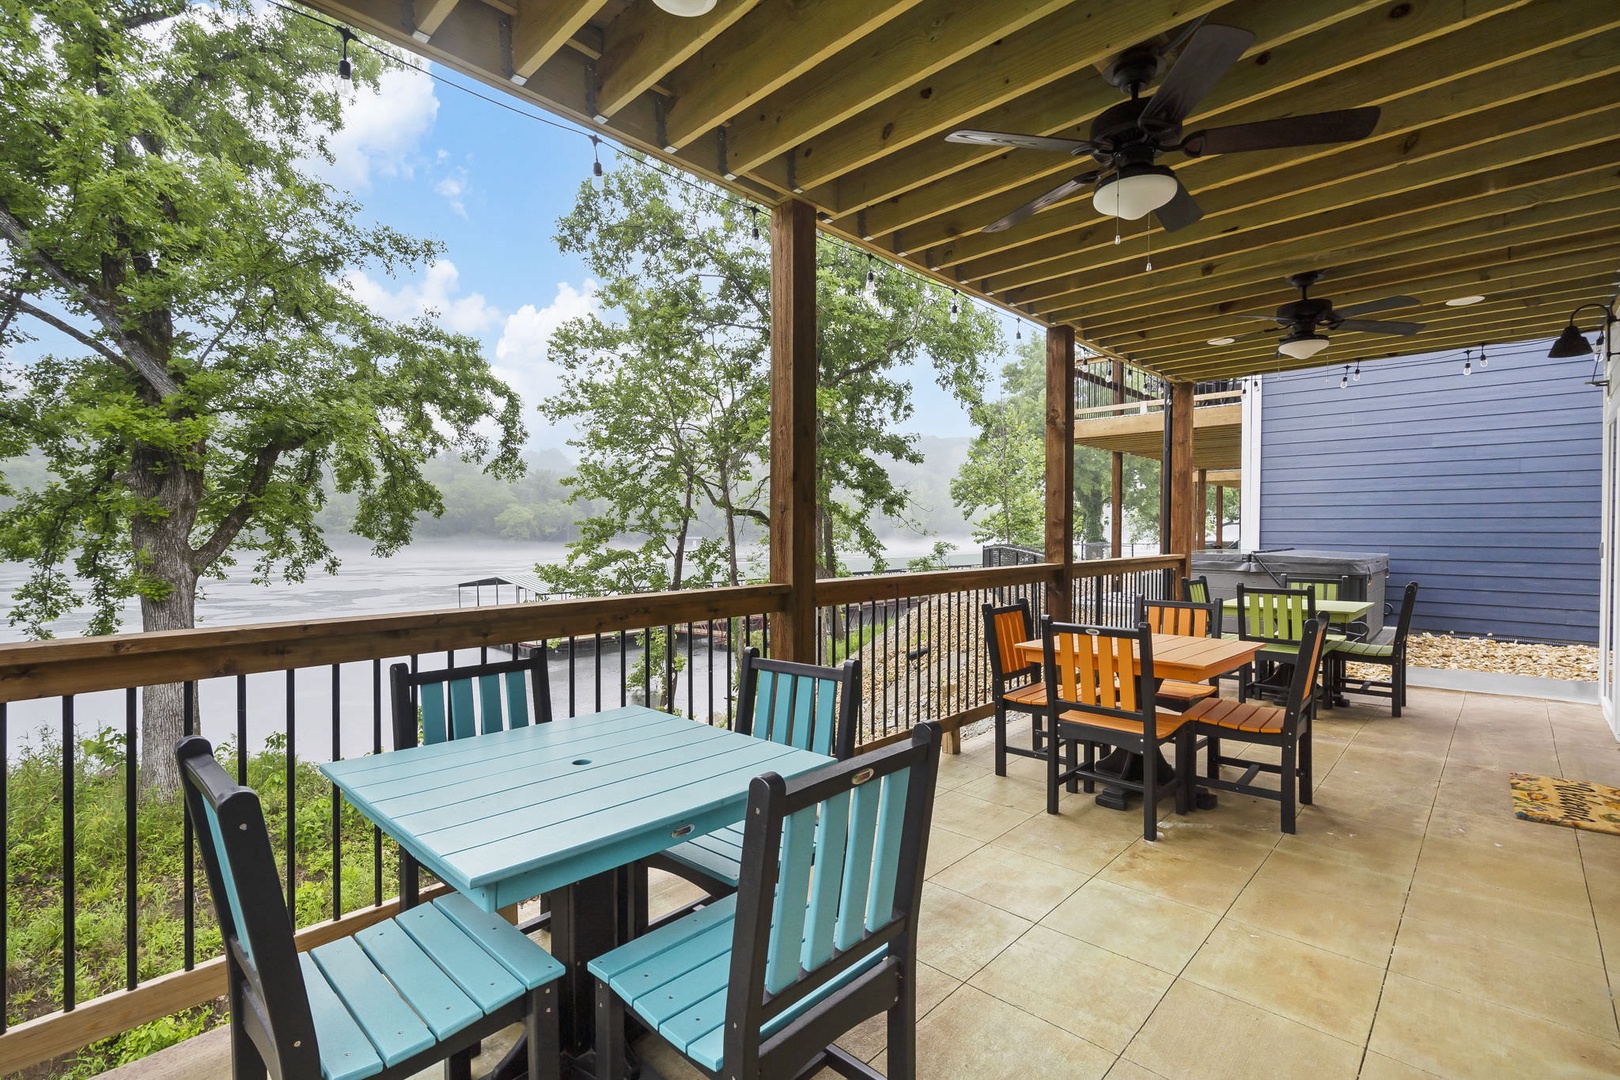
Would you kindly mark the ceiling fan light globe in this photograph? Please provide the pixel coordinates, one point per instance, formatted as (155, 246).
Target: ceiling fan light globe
(1570, 343)
(686, 8)
(1302, 346)
(1136, 191)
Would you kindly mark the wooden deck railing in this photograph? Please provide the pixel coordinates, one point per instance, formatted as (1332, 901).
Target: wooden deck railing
(919, 636)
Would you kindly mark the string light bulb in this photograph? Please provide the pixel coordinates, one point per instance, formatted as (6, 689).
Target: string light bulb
(1019, 336)
(596, 156)
(753, 214)
(345, 69)
(1355, 376)
(871, 282)
(1344, 380)
(1484, 361)
(1468, 361)
(956, 309)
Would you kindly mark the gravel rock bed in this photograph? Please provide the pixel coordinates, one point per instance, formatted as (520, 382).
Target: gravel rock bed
(1577, 663)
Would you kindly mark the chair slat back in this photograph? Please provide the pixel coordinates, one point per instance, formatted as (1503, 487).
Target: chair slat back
(831, 876)
(458, 703)
(1195, 590)
(261, 958)
(1274, 615)
(1325, 588)
(1306, 668)
(1178, 617)
(801, 705)
(1004, 628)
(1404, 625)
(1096, 669)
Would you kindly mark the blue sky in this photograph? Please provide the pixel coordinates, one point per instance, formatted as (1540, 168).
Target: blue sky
(488, 184)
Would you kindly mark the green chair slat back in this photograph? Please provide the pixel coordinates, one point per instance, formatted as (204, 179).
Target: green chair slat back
(1274, 615)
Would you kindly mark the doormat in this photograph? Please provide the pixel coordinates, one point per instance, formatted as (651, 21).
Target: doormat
(1574, 804)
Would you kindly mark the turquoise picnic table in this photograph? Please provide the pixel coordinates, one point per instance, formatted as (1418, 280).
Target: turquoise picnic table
(563, 808)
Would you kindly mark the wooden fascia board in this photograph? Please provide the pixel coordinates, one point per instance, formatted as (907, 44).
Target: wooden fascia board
(543, 27)
(645, 42)
(430, 15)
(998, 75)
(1425, 110)
(767, 48)
(914, 46)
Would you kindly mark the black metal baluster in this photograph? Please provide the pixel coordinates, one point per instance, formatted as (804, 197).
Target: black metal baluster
(377, 748)
(292, 794)
(337, 797)
(70, 905)
(624, 670)
(598, 661)
(573, 662)
(131, 927)
(691, 703)
(646, 667)
(188, 930)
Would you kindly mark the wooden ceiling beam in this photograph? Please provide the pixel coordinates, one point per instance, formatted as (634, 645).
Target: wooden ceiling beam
(1102, 316)
(1503, 333)
(1470, 198)
(1421, 106)
(1491, 226)
(767, 48)
(1553, 292)
(429, 16)
(925, 40)
(1295, 45)
(989, 79)
(645, 42)
(1355, 185)
(542, 28)
(1568, 262)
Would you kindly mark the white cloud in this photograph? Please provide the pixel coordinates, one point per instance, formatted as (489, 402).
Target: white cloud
(435, 293)
(521, 354)
(382, 130)
(452, 188)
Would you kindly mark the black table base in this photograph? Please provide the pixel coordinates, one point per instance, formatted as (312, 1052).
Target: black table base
(1128, 766)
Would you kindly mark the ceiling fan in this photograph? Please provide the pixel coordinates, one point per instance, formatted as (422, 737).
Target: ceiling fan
(1126, 138)
(1303, 317)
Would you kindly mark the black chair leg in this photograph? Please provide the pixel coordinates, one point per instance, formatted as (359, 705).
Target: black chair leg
(1185, 767)
(545, 1040)
(1072, 761)
(610, 1050)
(1052, 746)
(1289, 786)
(902, 1021)
(1305, 782)
(1150, 792)
(1001, 739)
(458, 1066)
(1089, 786)
(1397, 688)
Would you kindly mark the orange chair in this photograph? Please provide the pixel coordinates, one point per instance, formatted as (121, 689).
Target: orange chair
(1185, 619)
(1017, 682)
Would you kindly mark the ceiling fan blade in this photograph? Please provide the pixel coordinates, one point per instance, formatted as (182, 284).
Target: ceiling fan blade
(1021, 142)
(1347, 125)
(1036, 205)
(1210, 53)
(1180, 212)
(1386, 304)
(1367, 326)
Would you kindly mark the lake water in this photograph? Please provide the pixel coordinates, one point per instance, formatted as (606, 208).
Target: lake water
(328, 722)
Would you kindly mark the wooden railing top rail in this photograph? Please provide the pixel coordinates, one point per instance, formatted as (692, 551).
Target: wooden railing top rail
(859, 590)
(112, 662)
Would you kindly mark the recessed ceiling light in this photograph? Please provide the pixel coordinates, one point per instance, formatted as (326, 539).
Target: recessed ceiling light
(1463, 301)
(687, 8)
(1222, 340)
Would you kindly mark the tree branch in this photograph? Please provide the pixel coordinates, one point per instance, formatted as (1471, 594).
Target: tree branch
(135, 355)
(17, 303)
(232, 523)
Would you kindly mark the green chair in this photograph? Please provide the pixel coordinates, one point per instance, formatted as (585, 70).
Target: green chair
(1390, 653)
(1276, 617)
(1195, 590)
(820, 935)
(386, 1002)
(1342, 587)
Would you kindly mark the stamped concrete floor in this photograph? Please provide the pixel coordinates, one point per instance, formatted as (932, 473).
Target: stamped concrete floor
(1412, 927)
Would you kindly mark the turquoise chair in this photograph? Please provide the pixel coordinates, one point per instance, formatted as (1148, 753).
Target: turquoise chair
(819, 936)
(803, 705)
(460, 702)
(386, 1002)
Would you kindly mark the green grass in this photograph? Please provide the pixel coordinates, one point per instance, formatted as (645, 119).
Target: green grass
(34, 896)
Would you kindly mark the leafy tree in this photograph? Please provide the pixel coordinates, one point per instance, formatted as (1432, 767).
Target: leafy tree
(1003, 480)
(206, 366)
(672, 389)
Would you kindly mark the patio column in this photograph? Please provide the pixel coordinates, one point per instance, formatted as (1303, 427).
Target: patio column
(1060, 466)
(793, 428)
(1116, 539)
(1178, 471)
(1201, 502)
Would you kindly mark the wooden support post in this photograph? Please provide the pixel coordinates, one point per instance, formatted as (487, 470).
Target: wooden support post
(793, 428)
(1178, 471)
(1201, 501)
(1116, 539)
(1060, 466)
(1220, 516)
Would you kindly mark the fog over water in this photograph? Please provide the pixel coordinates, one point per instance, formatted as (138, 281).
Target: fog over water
(424, 576)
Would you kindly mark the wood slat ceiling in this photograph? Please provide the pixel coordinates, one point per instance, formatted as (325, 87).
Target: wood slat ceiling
(1494, 169)
(1217, 435)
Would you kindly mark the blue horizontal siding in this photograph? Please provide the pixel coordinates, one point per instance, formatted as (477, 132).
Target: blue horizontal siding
(1485, 488)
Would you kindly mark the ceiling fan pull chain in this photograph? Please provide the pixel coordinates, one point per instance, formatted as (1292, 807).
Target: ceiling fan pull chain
(1149, 234)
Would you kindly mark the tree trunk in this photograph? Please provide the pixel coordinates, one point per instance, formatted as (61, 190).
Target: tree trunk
(162, 545)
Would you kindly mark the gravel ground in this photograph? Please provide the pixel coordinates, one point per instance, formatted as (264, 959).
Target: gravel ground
(1578, 663)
